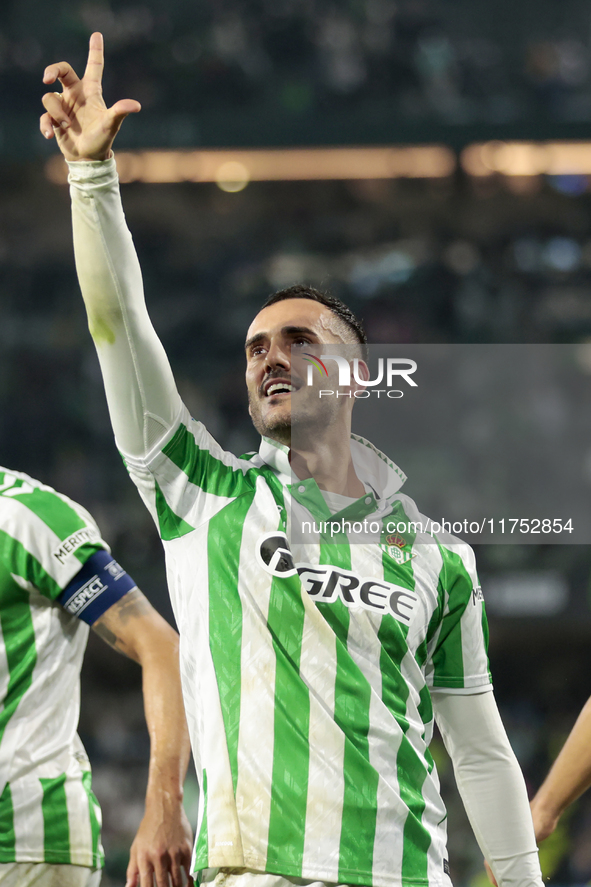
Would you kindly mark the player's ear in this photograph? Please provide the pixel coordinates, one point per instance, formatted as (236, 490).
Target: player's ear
(362, 370)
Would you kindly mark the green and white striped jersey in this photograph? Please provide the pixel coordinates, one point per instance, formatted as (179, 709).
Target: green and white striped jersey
(48, 812)
(307, 673)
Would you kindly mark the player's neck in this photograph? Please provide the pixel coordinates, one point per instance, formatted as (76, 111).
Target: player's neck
(328, 460)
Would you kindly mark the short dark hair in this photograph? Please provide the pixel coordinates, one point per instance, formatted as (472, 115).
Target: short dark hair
(342, 311)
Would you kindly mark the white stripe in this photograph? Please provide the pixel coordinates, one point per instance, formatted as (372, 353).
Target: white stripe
(27, 795)
(78, 818)
(257, 692)
(326, 783)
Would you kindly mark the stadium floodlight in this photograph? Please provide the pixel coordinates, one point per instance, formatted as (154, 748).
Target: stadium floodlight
(233, 169)
(527, 158)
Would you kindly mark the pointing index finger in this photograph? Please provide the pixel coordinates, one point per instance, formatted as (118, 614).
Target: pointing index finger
(96, 58)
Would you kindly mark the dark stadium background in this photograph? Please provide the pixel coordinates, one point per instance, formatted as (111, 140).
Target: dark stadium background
(500, 258)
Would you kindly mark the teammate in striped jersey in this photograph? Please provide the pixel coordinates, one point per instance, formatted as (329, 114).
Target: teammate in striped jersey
(57, 578)
(312, 672)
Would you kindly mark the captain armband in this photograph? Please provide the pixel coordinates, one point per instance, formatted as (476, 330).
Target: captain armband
(99, 584)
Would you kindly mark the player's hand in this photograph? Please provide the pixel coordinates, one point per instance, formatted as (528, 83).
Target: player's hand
(78, 117)
(544, 822)
(162, 847)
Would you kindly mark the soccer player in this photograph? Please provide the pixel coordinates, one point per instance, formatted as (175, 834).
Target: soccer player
(57, 577)
(310, 702)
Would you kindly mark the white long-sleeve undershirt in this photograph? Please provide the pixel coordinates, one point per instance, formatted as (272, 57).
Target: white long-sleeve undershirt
(141, 393)
(491, 785)
(144, 405)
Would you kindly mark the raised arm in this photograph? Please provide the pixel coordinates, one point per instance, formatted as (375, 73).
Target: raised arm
(163, 842)
(143, 401)
(491, 785)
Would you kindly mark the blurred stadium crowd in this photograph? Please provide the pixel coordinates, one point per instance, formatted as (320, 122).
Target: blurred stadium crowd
(290, 69)
(457, 259)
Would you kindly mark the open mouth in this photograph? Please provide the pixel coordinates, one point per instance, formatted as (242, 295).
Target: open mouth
(279, 388)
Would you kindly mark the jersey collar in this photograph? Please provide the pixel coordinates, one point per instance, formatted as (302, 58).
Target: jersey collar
(371, 465)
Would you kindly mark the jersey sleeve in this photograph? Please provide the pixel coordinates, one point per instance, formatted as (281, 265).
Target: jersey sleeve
(189, 478)
(143, 401)
(45, 538)
(459, 654)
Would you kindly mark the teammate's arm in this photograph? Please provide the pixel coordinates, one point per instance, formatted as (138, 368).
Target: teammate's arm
(143, 401)
(491, 785)
(163, 842)
(569, 777)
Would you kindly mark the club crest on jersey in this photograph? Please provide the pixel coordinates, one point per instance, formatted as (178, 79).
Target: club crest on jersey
(394, 545)
(401, 557)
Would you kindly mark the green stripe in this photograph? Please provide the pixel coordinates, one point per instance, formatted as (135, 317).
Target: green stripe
(19, 642)
(171, 525)
(485, 636)
(291, 754)
(22, 563)
(94, 811)
(7, 836)
(202, 842)
(448, 659)
(56, 829)
(352, 700)
(411, 769)
(436, 617)
(224, 542)
(204, 470)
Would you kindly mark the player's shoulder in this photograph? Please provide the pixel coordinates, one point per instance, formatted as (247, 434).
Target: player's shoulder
(191, 449)
(16, 484)
(41, 502)
(16, 487)
(454, 550)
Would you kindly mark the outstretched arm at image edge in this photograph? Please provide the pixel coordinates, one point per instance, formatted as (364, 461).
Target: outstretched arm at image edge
(491, 785)
(141, 393)
(568, 778)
